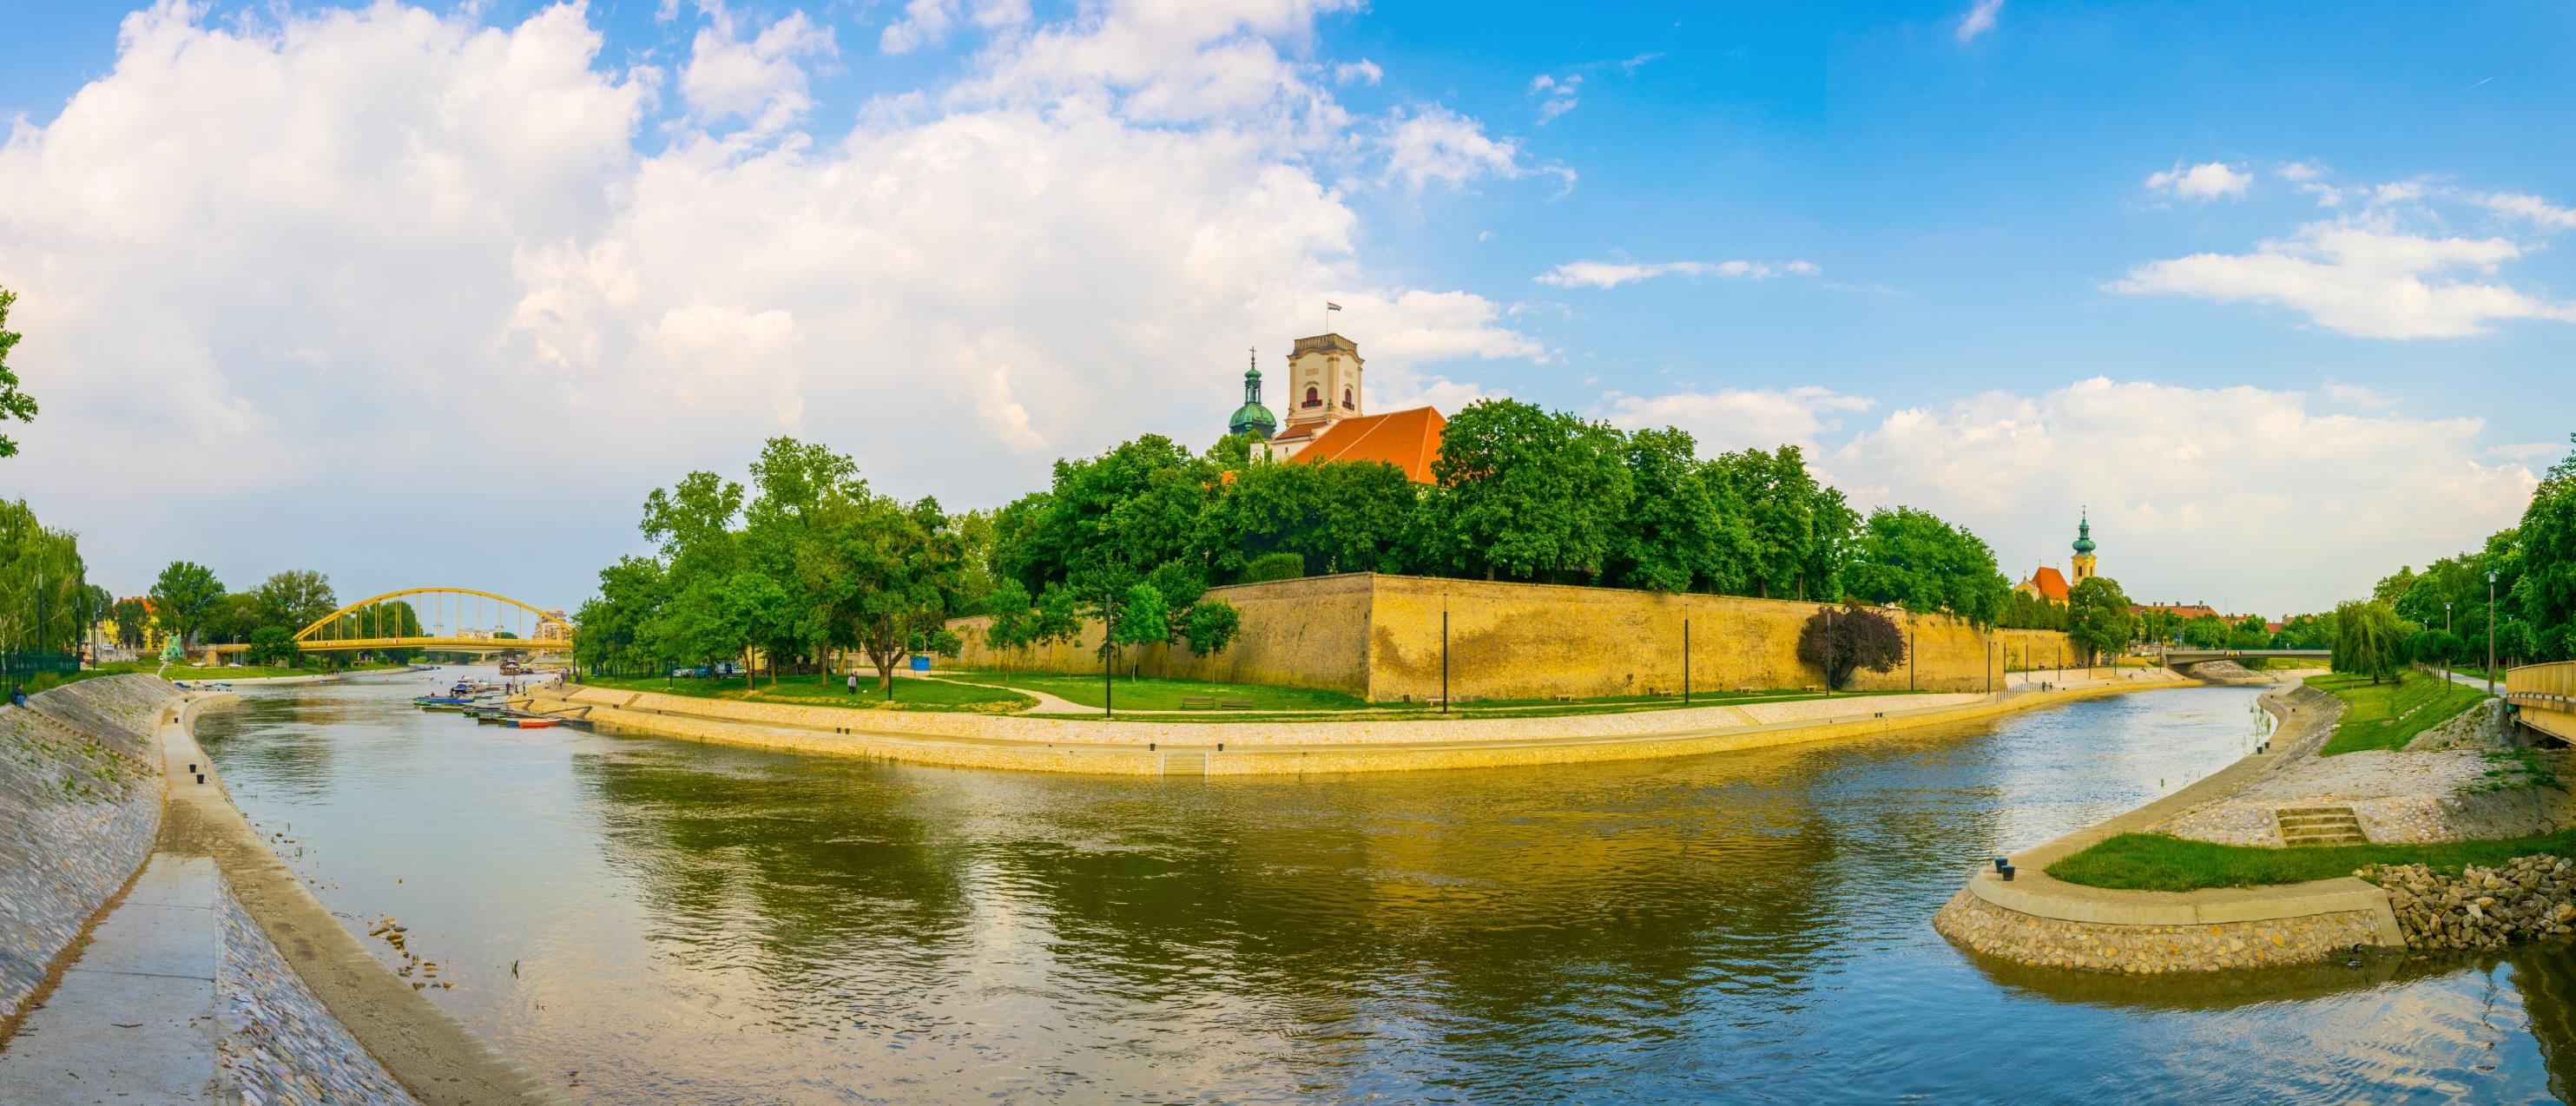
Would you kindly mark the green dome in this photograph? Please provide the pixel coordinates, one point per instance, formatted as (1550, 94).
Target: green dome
(2084, 535)
(1252, 417)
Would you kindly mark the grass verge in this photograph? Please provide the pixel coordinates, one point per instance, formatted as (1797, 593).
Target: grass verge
(1161, 693)
(832, 691)
(2157, 862)
(2388, 714)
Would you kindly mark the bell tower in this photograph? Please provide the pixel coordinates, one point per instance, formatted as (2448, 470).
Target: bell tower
(1323, 382)
(2083, 562)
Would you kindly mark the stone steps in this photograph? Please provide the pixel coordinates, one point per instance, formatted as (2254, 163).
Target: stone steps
(2319, 825)
(1185, 761)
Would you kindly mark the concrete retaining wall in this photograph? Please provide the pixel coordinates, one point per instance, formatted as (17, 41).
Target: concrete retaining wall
(1379, 637)
(80, 801)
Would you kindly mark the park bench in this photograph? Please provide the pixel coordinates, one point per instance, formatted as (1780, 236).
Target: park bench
(1198, 702)
(1234, 704)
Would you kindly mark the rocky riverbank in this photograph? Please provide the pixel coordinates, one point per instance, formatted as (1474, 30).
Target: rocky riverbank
(2481, 909)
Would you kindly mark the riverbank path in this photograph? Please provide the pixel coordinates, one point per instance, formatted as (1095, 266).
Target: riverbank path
(134, 1019)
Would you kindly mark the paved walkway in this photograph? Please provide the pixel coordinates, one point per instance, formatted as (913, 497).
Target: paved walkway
(134, 1019)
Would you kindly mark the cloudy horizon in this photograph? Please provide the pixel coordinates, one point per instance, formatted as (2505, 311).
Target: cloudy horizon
(434, 296)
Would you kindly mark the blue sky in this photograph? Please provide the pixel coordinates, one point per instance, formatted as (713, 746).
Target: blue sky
(2236, 279)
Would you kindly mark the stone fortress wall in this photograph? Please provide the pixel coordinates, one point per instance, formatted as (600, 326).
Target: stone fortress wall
(1378, 637)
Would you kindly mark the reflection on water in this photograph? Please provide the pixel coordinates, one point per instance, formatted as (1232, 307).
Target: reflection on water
(689, 923)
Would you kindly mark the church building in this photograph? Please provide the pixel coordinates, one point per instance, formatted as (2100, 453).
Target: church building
(2047, 583)
(1328, 418)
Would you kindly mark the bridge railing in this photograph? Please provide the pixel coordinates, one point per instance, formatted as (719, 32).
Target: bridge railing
(2548, 686)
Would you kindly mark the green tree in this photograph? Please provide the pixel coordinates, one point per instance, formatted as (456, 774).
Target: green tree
(1684, 530)
(273, 645)
(2544, 594)
(184, 597)
(2369, 639)
(1801, 529)
(1914, 558)
(1529, 494)
(132, 620)
(1850, 638)
(14, 404)
(903, 566)
(1141, 616)
(295, 598)
(2098, 616)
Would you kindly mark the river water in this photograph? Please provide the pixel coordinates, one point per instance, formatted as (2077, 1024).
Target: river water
(642, 920)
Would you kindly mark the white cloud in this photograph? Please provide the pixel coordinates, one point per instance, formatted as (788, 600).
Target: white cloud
(2361, 277)
(1433, 144)
(2533, 209)
(328, 252)
(2302, 171)
(1362, 71)
(757, 80)
(2241, 496)
(2354, 395)
(1980, 18)
(1560, 95)
(2206, 181)
(928, 22)
(1738, 418)
(1611, 274)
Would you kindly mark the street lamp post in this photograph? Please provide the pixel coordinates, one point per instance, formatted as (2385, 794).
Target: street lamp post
(2447, 639)
(1108, 657)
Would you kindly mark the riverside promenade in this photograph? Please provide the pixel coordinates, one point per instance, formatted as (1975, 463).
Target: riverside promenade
(2038, 920)
(1194, 748)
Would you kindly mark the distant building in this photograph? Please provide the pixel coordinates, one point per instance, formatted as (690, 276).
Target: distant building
(2045, 582)
(1328, 418)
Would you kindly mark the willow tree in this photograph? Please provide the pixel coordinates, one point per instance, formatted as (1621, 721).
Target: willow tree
(2369, 639)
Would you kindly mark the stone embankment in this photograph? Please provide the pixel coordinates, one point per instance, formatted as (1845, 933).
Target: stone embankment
(2482, 909)
(1182, 747)
(80, 800)
(130, 968)
(2038, 920)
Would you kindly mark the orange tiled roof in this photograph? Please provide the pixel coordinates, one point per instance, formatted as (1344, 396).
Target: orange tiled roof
(1408, 439)
(2050, 582)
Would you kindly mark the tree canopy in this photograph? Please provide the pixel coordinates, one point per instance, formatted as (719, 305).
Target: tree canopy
(1914, 559)
(185, 598)
(1848, 639)
(2098, 616)
(14, 404)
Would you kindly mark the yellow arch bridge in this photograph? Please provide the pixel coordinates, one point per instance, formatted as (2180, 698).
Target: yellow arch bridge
(455, 620)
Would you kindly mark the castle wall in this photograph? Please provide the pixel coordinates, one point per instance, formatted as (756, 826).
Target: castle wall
(1310, 632)
(1379, 637)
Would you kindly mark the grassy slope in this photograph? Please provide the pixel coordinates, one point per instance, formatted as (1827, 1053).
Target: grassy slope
(2155, 862)
(2388, 714)
(833, 692)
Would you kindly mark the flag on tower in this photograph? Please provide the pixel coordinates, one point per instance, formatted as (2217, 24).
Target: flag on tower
(1331, 306)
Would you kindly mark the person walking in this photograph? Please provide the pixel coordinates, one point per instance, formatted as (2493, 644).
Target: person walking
(854, 683)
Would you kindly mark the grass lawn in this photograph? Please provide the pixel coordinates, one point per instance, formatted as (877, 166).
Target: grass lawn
(831, 691)
(1151, 693)
(1532, 708)
(2156, 862)
(2388, 714)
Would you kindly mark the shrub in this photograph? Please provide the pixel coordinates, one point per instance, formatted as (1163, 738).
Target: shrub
(1274, 566)
(1841, 641)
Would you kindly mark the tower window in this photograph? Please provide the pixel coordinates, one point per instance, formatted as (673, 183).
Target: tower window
(1347, 405)
(1313, 398)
